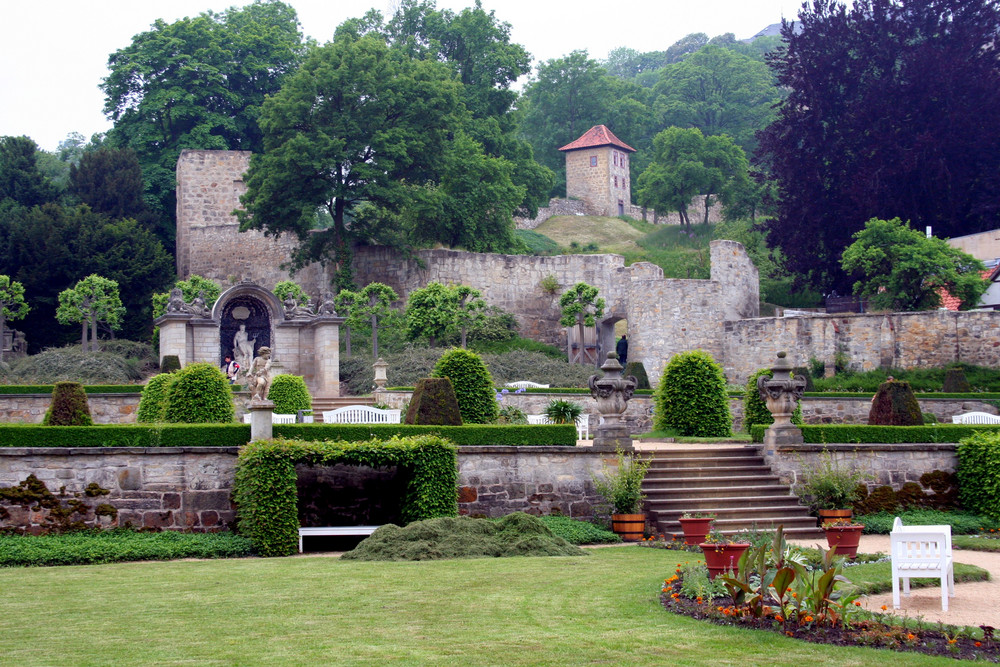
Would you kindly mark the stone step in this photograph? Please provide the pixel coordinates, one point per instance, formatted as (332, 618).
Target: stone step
(714, 503)
(716, 490)
(687, 462)
(707, 476)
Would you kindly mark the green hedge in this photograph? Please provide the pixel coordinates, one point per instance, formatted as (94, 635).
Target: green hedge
(125, 435)
(90, 389)
(554, 390)
(978, 473)
(468, 435)
(267, 499)
(862, 433)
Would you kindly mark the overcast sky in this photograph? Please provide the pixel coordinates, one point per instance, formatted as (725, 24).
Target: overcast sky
(53, 53)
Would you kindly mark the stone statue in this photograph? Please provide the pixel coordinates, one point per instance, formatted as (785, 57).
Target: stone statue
(243, 348)
(259, 375)
(294, 311)
(176, 302)
(19, 346)
(198, 307)
(326, 307)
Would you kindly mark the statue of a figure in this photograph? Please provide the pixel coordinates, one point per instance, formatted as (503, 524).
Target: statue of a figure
(326, 307)
(259, 375)
(243, 348)
(295, 311)
(198, 307)
(19, 346)
(176, 302)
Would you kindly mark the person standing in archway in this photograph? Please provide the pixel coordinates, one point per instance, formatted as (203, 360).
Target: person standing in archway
(622, 349)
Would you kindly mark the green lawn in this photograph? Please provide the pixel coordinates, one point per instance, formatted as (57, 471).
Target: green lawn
(602, 608)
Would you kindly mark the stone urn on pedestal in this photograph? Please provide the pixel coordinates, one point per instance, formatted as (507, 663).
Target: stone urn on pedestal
(612, 393)
(781, 394)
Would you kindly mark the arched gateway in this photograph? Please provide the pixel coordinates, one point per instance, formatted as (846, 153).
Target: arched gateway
(247, 317)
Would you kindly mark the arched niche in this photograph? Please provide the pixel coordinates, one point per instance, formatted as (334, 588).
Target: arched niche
(247, 314)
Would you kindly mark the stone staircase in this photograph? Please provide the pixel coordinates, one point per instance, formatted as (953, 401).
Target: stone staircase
(731, 481)
(322, 403)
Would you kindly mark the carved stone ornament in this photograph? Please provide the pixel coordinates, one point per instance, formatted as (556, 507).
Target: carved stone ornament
(326, 307)
(295, 311)
(781, 393)
(612, 393)
(176, 302)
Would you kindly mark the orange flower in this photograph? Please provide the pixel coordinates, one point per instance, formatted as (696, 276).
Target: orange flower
(910, 636)
(808, 619)
(978, 644)
(952, 641)
(794, 595)
(857, 604)
(778, 618)
(884, 607)
(789, 633)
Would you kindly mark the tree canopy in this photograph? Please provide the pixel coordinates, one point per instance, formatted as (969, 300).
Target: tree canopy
(901, 269)
(92, 300)
(891, 113)
(12, 304)
(580, 306)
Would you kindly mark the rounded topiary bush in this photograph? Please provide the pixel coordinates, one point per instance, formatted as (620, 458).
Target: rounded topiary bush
(434, 402)
(691, 397)
(472, 383)
(895, 405)
(289, 394)
(170, 364)
(755, 409)
(69, 406)
(153, 402)
(955, 382)
(199, 394)
(638, 371)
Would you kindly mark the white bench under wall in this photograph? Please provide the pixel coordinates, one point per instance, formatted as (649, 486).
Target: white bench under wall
(362, 414)
(313, 531)
(526, 384)
(975, 418)
(281, 419)
(582, 424)
(921, 552)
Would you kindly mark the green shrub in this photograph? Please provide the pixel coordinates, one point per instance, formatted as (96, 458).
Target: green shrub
(755, 409)
(638, 371)
(289, 394)
(267, 499)
(434, 402)
(830, 486)
(955, 382)
(978, 474)
(929, 418)
(895, 405)
(577, 531)
(563, 412)
(125, 435)
(199, 394)
(805, 373)
(74, 365)
(962, 523)
(472, 383)
(153, 402)
(89, 388)
(621, 488)
(69, 406)
(860, 433)
(469, 435)
(691, 397)
(170, 364)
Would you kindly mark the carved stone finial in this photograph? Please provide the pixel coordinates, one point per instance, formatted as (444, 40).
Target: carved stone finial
(612, 393)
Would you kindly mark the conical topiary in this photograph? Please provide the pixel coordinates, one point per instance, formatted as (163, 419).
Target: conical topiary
(955, 382)
(895, 405)
(69, 406)
(434, 402)
(473, 385)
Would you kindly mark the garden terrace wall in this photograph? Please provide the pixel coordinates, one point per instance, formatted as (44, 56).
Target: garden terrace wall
(891, 464)
(104, 408)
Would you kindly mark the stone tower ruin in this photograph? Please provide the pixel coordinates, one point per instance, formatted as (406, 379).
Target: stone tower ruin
(597, 172)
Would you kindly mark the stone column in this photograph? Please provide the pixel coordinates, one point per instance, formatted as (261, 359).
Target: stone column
(261, 423)
(326, 338)
(173, 336)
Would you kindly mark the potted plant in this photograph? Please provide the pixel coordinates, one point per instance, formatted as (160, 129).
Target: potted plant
(696, 526)
(845, 535)
(830, 488)
(622, 491)
(722, 553)
(563, 412)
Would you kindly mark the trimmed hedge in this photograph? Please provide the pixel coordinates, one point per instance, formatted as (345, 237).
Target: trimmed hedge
(289, 394)
(473, 385)
(153, 401)
(90, 388)
(125, 435)
(469, 435)
(860, 433)
(199, 394)
(568, 390)
(691, 397)
(267, 499)
(978, 473)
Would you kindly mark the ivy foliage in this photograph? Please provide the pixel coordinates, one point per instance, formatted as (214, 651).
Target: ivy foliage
(979, 473)
(755, 409)
(69, 406)
(267, 500)
(199, 394)
(153, 402)
(473, 385)
(691, 397)
(289, 394)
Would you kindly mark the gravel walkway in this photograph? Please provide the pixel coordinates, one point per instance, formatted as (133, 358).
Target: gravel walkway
(974, 604)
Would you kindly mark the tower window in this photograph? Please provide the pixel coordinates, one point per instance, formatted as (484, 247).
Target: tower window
(593, 160)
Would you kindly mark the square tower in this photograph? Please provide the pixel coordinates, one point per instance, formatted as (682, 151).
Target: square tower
(597, 171)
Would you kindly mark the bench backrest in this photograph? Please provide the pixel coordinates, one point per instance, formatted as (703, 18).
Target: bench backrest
(911, 544)
(582, 424)
(976, 418)
(362, 414)
(527, 384)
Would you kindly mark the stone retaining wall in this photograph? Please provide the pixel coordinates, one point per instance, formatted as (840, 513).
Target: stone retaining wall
(104, 408)
(892, 464)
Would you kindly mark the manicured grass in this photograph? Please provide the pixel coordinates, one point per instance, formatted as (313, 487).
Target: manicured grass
(873, 578)
(600, 608)
(975, 543)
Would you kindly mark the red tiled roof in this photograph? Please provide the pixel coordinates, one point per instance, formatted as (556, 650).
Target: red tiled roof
(949, 302)
(599, 135)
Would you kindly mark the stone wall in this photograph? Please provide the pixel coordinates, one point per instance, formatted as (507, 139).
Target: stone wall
(104, 408)
(557, 206)
(893, 464)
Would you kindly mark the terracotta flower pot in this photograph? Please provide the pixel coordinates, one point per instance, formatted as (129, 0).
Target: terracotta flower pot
(631, 527)
(825, 516)
(695, 529)
(722, 557)
(845, 538)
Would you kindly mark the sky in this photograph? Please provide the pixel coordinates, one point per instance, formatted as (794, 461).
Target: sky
(53, 53)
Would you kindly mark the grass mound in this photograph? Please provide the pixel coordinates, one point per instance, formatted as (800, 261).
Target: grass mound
(516, 534)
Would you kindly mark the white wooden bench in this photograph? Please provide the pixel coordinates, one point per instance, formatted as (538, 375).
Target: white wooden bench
(975, 418)
(582, 424)
(313, 531)
(526, 384)
(921, 552)
(275, 418)
(362, 414)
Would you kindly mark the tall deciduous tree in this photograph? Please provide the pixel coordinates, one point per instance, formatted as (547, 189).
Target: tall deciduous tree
(902, 269)
(345, 302)
(430, 312)
(198, 83)
(580, 306)
(109, 181)
(892, 111)
(676, 173)
(470, 309)
(12, 305)
(92, 300)
(374, 303)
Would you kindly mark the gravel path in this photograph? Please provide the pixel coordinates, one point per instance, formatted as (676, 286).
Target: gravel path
(975, 603)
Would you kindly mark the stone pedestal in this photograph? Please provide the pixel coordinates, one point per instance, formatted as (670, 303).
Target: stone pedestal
(781, 392)
(174, 335)
(261, 423)
(326, 336)
(612, 393)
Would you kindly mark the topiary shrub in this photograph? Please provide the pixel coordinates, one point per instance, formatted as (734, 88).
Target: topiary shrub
(895, 405)
(472, 383)
(692, 398)
(289, 394)
(911, 496)
(170, 364)
(434, 402)
(69, 406)
(807, 374)
(638, 371)
(978, 473)
(199, 394)
(755, 409)
(153, 402)
(955, 382)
